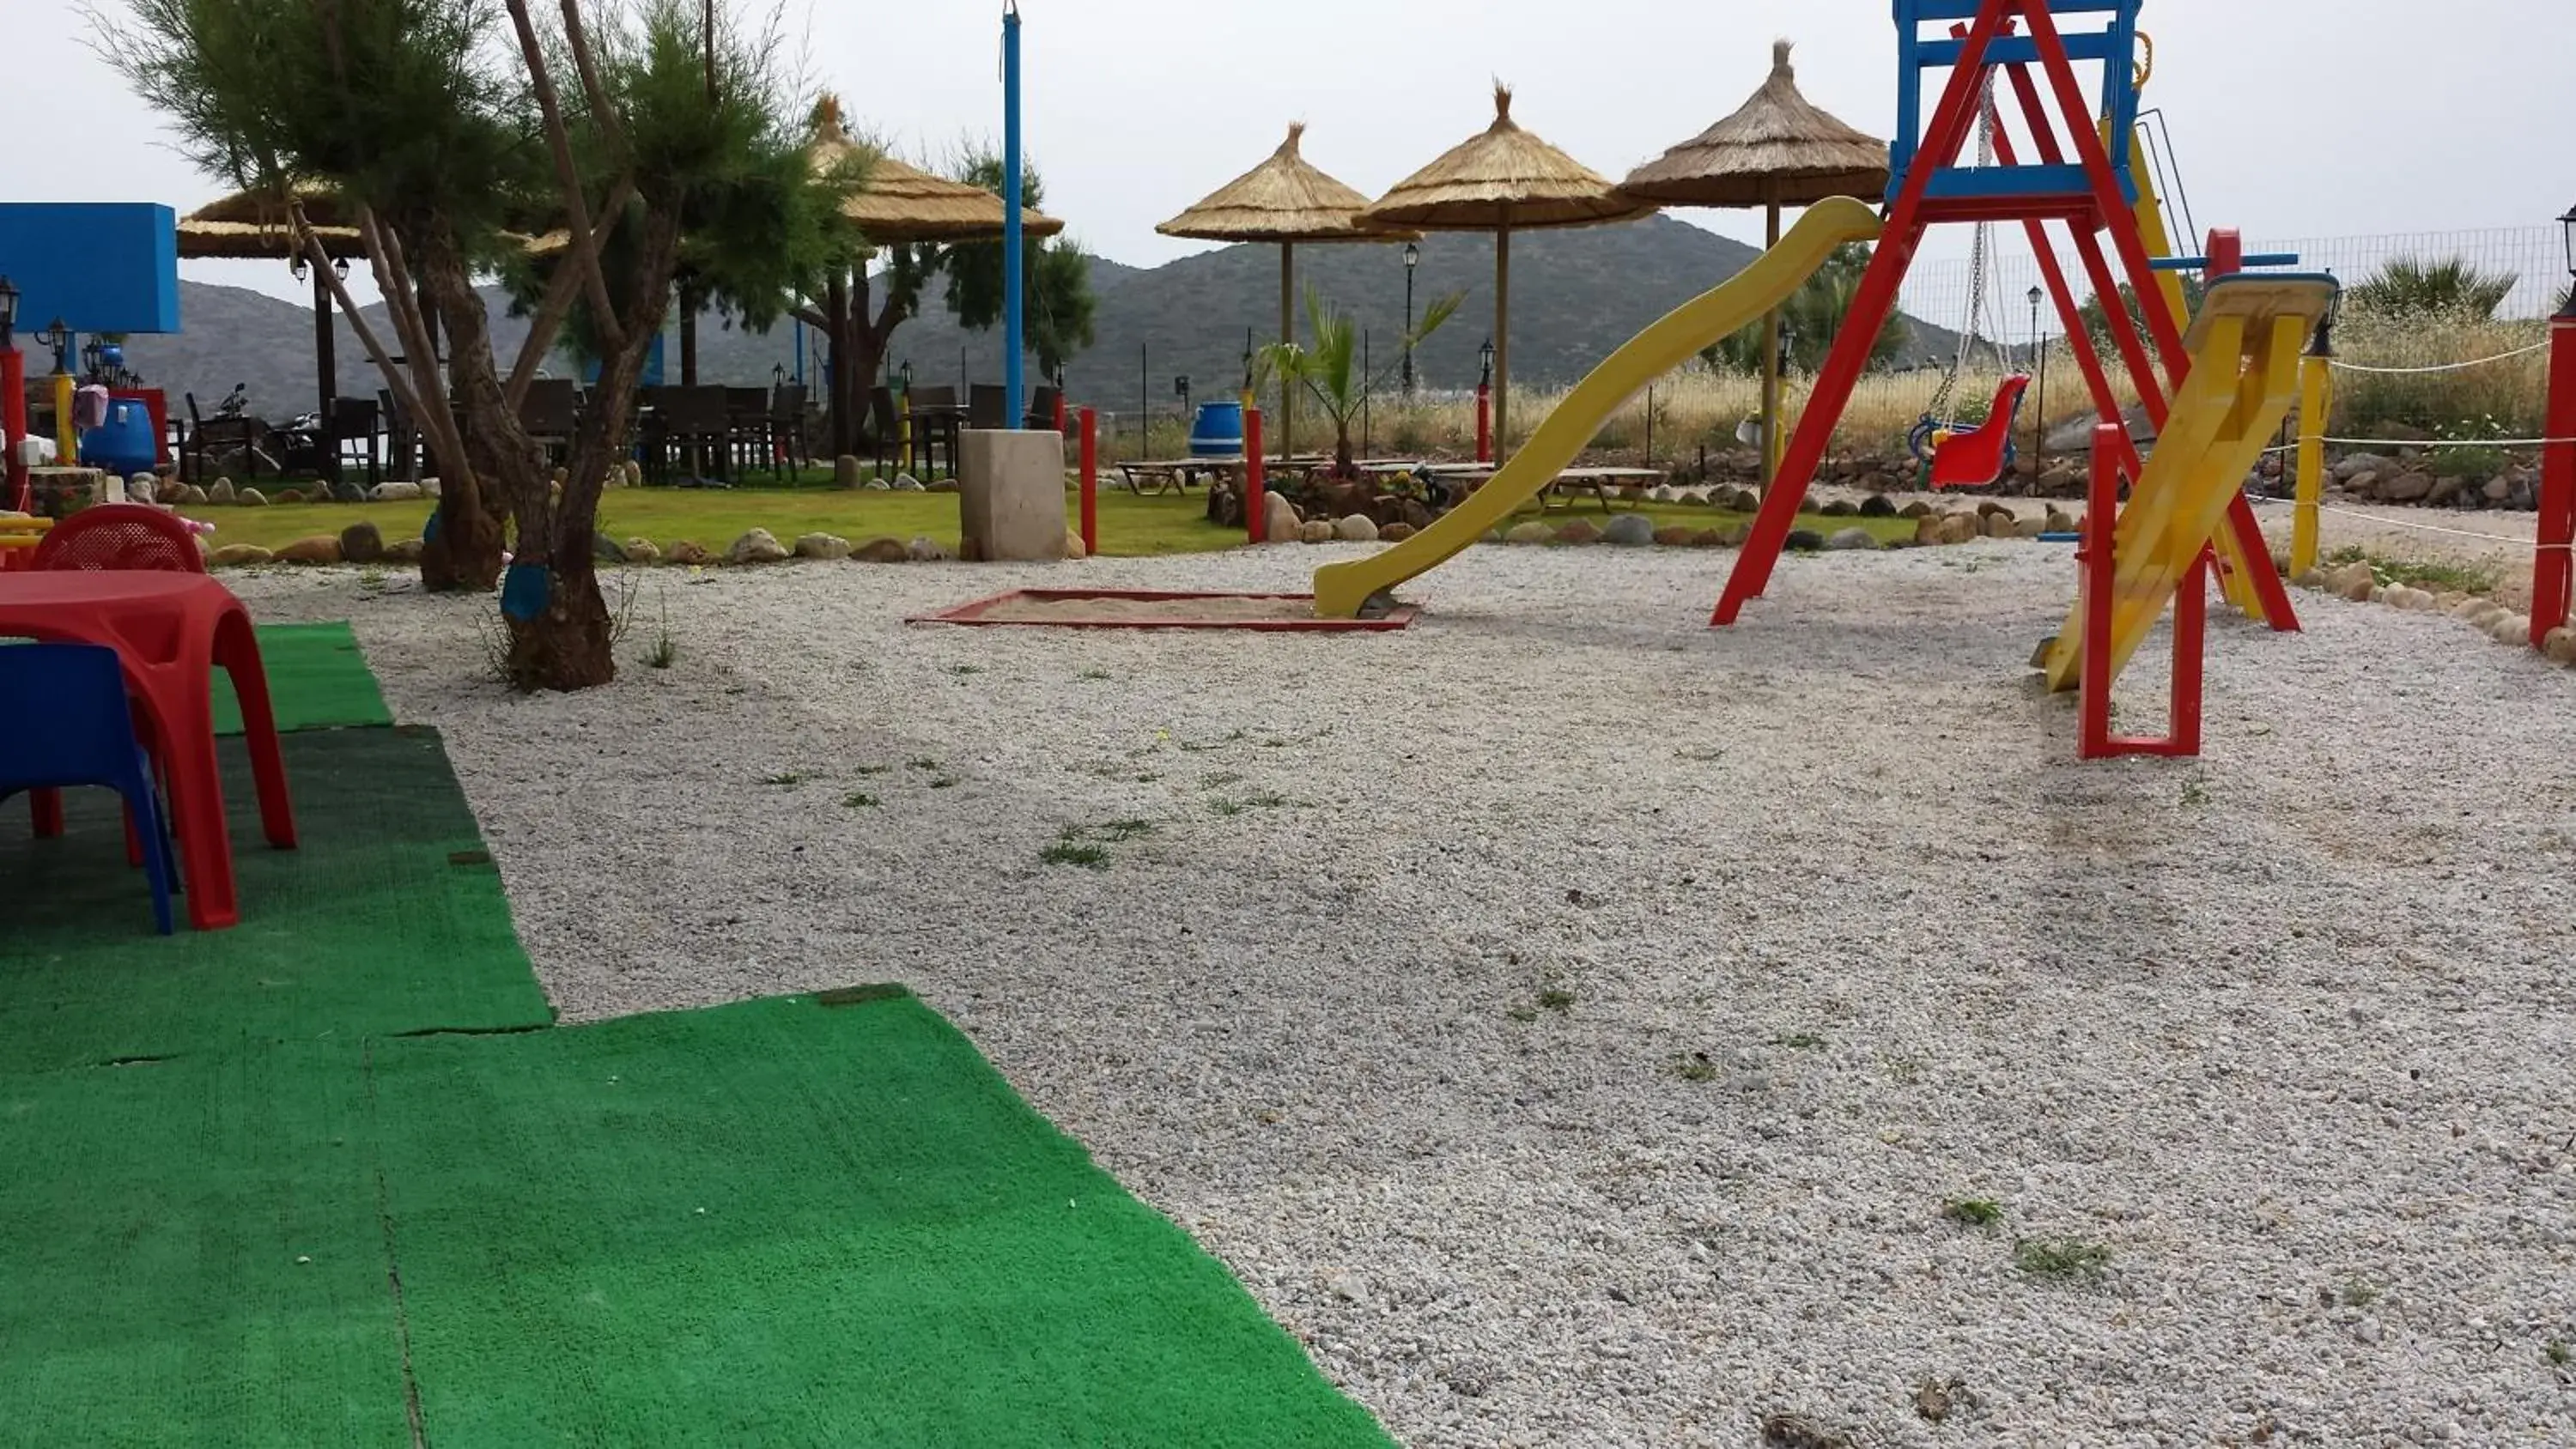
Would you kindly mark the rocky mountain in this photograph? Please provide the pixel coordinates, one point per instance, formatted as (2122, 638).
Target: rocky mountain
(1576, 295)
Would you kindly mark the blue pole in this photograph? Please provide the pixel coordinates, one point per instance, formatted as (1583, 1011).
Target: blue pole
(1015, 401)
(800, 352)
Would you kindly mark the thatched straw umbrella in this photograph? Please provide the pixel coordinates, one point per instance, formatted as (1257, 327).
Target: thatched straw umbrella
(1503, 180)
(897, 204)
(1284, 200)
(1776, 150)
(248, 227)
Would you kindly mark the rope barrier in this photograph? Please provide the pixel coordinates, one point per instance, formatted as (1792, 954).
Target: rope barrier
(2500, 542)
(2432, 443)
(2438, 367)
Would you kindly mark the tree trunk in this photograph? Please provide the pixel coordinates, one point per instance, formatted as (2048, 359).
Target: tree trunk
(565, 644)
(836, 366)
(465, 554)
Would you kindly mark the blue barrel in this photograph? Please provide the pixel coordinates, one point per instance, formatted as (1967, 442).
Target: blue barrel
(1217, 430)
(123, 445)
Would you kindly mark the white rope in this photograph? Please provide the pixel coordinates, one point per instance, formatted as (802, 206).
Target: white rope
(2502, 543)
(2438, 367)
(2431, 443)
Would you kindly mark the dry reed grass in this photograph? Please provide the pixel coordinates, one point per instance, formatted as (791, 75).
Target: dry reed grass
(1698, 407)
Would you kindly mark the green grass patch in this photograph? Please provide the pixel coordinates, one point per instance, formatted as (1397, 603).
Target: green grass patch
(2062, 1259)
(1130, 527)
(1973, 1212)
(2435, 575)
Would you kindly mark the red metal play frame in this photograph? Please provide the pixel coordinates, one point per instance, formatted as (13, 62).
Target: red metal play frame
(975, 612)
(2101, 207)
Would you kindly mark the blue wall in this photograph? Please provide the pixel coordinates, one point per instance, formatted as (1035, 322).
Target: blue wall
(99, 266)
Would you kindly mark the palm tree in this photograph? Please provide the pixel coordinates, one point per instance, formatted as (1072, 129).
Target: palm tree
(1330, 371)
(2451, 287)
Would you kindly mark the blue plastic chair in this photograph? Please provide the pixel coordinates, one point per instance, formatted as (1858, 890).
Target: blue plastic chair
(64, 720)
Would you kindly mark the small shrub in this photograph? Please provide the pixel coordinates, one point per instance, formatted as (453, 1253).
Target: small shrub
(784, 779)
(1694, 1067)
(1075, 852)
(858, 800)
(2061, 1259)
(1973, 1212)
(1557, 999)
(2473, 455)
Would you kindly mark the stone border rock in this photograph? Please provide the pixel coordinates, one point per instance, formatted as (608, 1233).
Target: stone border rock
(2357, 582)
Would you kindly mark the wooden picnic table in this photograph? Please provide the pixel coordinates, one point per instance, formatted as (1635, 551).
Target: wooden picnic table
(1167, 474)
(1599, 481)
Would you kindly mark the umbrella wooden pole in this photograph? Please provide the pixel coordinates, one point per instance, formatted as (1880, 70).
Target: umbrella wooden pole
(326, 371)
(1287, 335)
(1770, 363)
(1502, 338)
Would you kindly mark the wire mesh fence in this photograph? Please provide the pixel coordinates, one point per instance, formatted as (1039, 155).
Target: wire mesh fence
(2533, 257)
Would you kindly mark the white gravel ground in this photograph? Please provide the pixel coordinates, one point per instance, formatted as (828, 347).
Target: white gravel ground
(1843, 930)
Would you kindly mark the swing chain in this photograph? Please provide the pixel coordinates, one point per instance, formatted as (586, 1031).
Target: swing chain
(1977, 262)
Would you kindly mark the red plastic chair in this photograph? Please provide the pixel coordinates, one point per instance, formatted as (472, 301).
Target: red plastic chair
(121, 536)
(1973, 459)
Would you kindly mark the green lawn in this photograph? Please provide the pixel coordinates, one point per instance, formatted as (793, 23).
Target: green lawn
(1129, 526)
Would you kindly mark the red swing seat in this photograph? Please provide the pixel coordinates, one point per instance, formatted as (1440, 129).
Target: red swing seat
(1975, 459)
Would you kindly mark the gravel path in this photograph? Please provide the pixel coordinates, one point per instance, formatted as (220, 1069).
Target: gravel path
(1572, 1022)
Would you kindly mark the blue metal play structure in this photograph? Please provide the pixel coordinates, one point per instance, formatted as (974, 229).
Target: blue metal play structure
(2112, 46)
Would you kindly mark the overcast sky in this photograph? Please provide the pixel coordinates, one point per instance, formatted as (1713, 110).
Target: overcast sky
(2292, 118)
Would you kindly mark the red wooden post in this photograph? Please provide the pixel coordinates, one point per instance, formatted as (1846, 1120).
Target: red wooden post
(1254, 524)
(13, 424)
(1090, 481)
(1484, 422)
(1060, 406)
(2553, 572)
(2099, 569)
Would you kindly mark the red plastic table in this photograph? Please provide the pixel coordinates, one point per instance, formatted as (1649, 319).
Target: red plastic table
(172, 631)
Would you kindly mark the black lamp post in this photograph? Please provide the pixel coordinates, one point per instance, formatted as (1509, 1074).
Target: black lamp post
(57, 339)
(1412, 259)
(2567, 230)
(1485, 355)
(2039, 403)
(8, 315)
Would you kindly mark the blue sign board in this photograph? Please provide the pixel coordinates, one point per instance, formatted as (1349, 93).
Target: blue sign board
(99, 266)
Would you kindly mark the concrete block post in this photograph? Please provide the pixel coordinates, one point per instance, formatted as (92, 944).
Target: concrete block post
(1010, 495)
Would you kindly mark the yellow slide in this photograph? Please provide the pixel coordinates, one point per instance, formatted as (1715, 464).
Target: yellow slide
(2245, 345)
(1342, 589)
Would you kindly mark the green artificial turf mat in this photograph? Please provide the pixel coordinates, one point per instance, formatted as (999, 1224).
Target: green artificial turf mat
(369, 928)
(782, 1222)
(317, 679)
(192, 1256)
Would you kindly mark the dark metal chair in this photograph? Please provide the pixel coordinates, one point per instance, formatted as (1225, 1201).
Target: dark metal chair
(885, 428)
(1042, 405)
(551, 413)
(987, 407)
(787, 428)
(236, 430)
(936, 417)
(694, 423)
(746, 426)
(352, 433)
